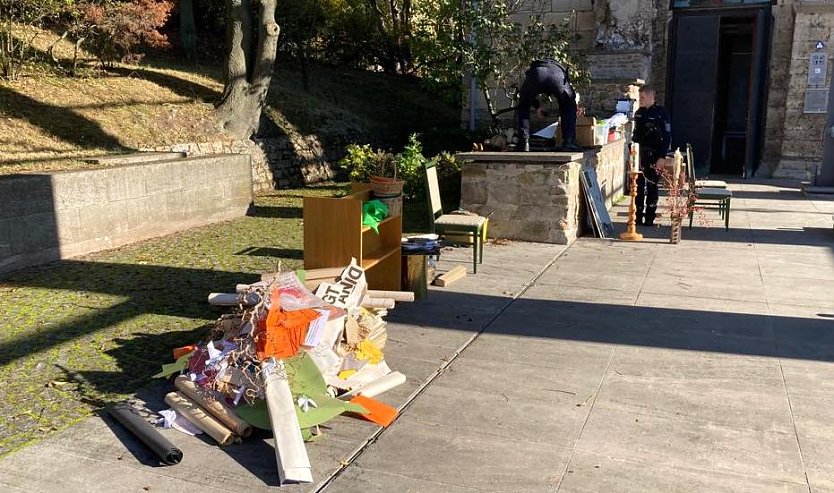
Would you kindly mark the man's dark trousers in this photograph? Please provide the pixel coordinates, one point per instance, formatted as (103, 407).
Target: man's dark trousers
(551, 79)
(647, 195)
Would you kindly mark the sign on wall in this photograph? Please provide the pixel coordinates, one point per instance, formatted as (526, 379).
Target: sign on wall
(816, 100)
(816, 92)
(817, 69)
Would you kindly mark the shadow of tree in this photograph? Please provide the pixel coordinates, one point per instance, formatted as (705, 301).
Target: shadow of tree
(177, 85)
(59, 122)
(144, 291)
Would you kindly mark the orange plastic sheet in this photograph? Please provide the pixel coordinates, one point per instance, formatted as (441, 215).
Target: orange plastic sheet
(378, 412)
(182, 351)
(282, 333)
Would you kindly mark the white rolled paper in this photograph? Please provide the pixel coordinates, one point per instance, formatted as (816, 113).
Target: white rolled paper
(378, 386)
(290, 452)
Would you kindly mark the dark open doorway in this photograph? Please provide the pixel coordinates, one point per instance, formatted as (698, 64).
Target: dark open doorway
(732, 104)
(717, 67)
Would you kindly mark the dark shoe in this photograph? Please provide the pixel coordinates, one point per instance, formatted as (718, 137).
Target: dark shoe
(649, 224)
(569, 147)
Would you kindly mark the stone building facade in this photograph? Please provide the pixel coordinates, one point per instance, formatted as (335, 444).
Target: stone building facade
(728, 47)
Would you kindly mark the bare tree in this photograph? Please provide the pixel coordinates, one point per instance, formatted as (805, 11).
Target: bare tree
(252, 37)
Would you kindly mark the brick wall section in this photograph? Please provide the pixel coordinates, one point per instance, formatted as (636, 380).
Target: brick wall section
(45, 217)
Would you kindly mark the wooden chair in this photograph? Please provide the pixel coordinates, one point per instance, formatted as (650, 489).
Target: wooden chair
(705, 183)
(471, 226)
(708, 197)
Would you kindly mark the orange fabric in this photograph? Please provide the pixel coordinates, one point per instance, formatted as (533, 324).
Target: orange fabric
(182, 351)
(282, 333)
(379, 412)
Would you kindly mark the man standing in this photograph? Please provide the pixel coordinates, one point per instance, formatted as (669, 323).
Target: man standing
(653, 131)
(547, 77)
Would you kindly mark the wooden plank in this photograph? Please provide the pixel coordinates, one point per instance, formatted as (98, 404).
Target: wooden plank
(451, 276)
(394, 295)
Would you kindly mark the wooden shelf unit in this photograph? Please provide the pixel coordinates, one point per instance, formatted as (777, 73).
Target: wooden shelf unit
(333, 234)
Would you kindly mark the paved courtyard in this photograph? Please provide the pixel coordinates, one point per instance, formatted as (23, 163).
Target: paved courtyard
(603, 367)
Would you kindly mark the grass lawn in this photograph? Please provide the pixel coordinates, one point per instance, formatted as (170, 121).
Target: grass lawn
(82, 332)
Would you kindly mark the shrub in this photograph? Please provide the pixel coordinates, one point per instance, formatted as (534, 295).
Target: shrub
(362, 161)
(113, 30)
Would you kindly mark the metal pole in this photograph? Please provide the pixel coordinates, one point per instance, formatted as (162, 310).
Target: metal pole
(473, 86)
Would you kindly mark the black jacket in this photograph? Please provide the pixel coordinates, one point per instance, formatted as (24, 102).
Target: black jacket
(653, 131)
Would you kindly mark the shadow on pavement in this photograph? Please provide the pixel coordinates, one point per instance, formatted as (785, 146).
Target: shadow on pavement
(692, 330)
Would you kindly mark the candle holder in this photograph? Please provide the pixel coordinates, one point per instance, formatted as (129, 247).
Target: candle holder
(631, 233)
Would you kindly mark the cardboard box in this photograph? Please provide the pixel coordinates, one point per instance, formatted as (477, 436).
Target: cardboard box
(584, 135)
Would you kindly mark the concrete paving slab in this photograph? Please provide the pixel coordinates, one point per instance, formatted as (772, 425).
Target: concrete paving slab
(817, 265)
(594, 473)
(694, 365)
(357, 479)
(427, 453)
(808, 377)
(599, 279)
(522, 381)
(539, 351)
(555, 420)
(724, 402)
(623, 432)
(798, 291)
(739, 287)
(818, 454)
(581, 294)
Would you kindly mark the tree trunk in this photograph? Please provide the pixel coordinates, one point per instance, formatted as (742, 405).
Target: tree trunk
(248, 65)
(188, 31)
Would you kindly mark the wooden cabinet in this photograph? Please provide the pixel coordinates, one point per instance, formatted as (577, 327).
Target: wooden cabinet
(333, 234)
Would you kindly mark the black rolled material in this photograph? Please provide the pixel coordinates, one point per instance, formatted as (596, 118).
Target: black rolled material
(140, 428)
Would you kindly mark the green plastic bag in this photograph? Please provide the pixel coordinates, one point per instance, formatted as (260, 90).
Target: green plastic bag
(373, 213)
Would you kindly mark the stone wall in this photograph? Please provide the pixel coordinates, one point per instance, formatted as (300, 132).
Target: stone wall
(802, 135)
(780, 71)
(629, 39)
(45, 217)
(277, 162)
(532, 196)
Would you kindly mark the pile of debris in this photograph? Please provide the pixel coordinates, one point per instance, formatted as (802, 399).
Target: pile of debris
(287, 359)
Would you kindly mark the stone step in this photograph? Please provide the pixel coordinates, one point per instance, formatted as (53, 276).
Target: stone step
(788, 174)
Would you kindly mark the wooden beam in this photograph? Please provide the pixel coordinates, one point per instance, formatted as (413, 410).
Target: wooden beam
(451, 276)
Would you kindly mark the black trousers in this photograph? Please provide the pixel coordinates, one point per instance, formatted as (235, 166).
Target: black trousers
(553, 81)
(647, 195)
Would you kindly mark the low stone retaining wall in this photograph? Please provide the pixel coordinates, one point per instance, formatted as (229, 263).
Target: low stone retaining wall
(533, 196)
(537, 196)
(45, 217)
(277, 162)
